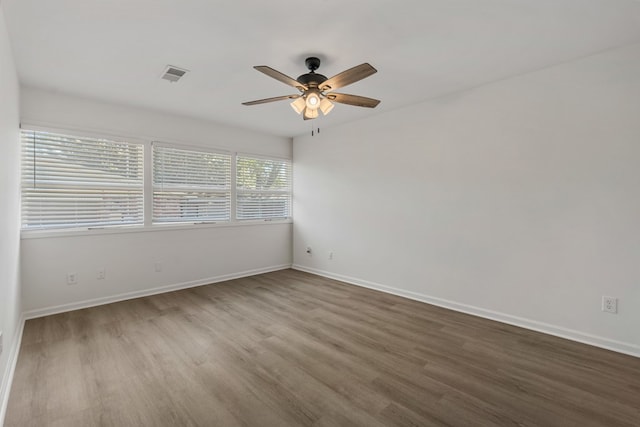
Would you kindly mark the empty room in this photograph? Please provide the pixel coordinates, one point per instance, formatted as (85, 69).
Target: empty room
(279, 213)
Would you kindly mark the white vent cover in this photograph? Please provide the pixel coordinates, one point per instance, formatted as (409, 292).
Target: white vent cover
(173, 74)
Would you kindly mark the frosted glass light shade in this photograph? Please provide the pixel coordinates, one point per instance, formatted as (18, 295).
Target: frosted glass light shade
(298, 105)
(310, 114)
(326, 106)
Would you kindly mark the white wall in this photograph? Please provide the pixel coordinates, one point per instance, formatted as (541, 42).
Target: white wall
(517, 201)
(10, 306)
(189, 255)
(59, 110)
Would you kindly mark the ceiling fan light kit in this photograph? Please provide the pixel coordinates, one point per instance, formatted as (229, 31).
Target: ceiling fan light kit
(316, 89)
(299, 105)
(310, 114)
(313, 99)
(326, 106)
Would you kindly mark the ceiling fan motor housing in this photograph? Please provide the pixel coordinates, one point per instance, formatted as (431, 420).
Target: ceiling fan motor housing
(312, 79)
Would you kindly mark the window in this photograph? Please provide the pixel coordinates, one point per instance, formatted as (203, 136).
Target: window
(190, 185)
(70, 181)
(76, 183)
(263, 188)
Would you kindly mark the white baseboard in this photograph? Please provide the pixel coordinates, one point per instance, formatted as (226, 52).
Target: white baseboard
(32, 314)
(570, 334)
(7, 377)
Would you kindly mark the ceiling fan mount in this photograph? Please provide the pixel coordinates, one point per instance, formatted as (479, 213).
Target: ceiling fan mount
(315, 89)
(312, 63)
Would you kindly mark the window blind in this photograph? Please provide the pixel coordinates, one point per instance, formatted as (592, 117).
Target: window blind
(190, 185)
(263, 188)
(69, 181)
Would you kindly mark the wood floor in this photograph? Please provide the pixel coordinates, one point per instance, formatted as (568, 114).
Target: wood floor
(293, 349)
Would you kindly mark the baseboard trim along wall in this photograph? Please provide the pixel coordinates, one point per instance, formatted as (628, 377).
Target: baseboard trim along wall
(7, 377)
(32, 314)
(570, 334)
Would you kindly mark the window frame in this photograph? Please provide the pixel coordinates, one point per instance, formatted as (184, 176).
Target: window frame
(186, 188)
(288, 192)
(83, 183)
(148, 225)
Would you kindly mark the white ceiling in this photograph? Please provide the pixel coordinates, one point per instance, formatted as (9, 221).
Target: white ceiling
(116, 50)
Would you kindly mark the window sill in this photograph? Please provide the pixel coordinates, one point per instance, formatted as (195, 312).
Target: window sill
(40, 234)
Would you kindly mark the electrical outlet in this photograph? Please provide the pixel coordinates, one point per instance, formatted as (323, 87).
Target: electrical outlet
(102, 274)
(610, 304)
(158, 266)
(330, 255)
(72, 278)
(308, 250)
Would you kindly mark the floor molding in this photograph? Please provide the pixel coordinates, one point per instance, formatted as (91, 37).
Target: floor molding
(7, 377)
(570, 334)
(32, 314)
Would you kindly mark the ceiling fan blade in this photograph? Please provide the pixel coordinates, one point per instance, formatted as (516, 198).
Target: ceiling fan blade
(280, 77)
(358, 101)
(277, 98)
(349, 76)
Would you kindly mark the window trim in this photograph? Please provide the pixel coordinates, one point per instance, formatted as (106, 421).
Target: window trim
(69, 177)
(235, 186)
(194, 149)
(148, 225)
(67, 232)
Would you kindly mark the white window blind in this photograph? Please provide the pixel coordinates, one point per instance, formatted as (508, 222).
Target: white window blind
(70, 181)
(263, 188)
(190, 185)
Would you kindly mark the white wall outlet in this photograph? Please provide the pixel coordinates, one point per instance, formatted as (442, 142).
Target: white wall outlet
(610, 304)
(102, 274)
(308, 250)
(72, 278)
(158, 266)
(330, 255)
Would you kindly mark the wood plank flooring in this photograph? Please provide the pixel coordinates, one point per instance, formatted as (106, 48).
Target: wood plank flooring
(293, 349)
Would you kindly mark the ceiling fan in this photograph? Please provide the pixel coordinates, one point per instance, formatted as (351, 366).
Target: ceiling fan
(316, 89)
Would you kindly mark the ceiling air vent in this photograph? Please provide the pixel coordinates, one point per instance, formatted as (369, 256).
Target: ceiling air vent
(173, 74)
